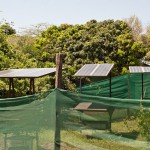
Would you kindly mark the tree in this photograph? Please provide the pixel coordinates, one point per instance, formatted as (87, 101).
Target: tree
(136, 26)
(35, 30)
(145, 38)
(6, 28)
(108, 41)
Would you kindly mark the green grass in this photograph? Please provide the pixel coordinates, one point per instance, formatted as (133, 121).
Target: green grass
(124, 136)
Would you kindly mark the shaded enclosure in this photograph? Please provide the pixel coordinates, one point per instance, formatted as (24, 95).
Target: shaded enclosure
(29, 122)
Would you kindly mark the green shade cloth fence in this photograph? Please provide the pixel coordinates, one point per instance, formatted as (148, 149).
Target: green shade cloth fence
(29, 122)
(123, 86)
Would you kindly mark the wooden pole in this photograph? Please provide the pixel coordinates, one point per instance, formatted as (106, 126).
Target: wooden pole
(13, 90)
(58, 84)
(9, 95)
(33, 86)
(58, 81)
(11, 87)
(30, 90)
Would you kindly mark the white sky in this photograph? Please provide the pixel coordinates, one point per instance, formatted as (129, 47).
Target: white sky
(25, 13)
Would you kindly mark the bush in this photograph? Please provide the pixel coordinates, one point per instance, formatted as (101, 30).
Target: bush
(144, 123)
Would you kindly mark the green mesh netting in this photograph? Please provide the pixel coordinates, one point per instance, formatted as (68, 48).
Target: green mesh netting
(123, 86)
(60, 119)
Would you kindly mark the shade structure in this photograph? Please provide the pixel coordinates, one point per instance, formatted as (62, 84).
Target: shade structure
(142, 70)
(30, 73)
(26, 73)
(139, 69)
(94, 70)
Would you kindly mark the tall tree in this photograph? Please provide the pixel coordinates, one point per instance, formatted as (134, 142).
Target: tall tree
(35, 30)
(108, 41)
(6, 28)
(136, 26)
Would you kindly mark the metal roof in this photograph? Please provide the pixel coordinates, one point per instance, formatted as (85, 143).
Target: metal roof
(139, 69)
(94, 70)
(26, 73)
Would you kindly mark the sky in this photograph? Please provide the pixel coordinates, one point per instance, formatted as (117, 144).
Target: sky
(26, 13)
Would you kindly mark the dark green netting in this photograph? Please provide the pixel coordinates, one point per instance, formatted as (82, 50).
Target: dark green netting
(24, 126)
(119, 87)
(123, 86)
(50, 121)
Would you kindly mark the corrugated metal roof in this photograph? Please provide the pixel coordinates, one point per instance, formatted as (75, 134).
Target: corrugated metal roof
(139, 69)
(94, 70)
(26, 73)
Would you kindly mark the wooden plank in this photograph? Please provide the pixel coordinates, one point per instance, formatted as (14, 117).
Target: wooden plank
(84, 105)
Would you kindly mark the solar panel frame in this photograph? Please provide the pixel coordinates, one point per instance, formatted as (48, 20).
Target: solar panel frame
(94, 70)
(26, 73)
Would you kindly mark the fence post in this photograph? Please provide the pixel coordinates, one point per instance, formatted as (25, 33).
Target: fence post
(58, 80)
(58, 84)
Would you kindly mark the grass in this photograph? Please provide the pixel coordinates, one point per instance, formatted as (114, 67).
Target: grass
(125, 135)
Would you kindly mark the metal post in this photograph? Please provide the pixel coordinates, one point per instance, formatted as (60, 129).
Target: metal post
(142, 86)
(128, 87)
(110, 84)
(11, 87)
(80, 84)
(5, 141)
(128, 110)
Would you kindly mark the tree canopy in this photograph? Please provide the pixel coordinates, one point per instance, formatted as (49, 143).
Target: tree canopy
(107, 41)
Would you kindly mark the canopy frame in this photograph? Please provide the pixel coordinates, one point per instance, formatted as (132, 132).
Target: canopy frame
(142, 70)
(30, 73)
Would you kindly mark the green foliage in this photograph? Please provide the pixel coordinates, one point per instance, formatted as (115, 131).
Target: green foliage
(108, 41)
(6, 28)
(144, 123)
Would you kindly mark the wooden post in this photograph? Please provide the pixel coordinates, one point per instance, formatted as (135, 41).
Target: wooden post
(58, 81)
(32, 86)
(11, 87)
(58, 84)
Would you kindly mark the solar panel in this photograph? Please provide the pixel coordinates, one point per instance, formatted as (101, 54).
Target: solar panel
(139, 69)
(94, 70)
(26, 73)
